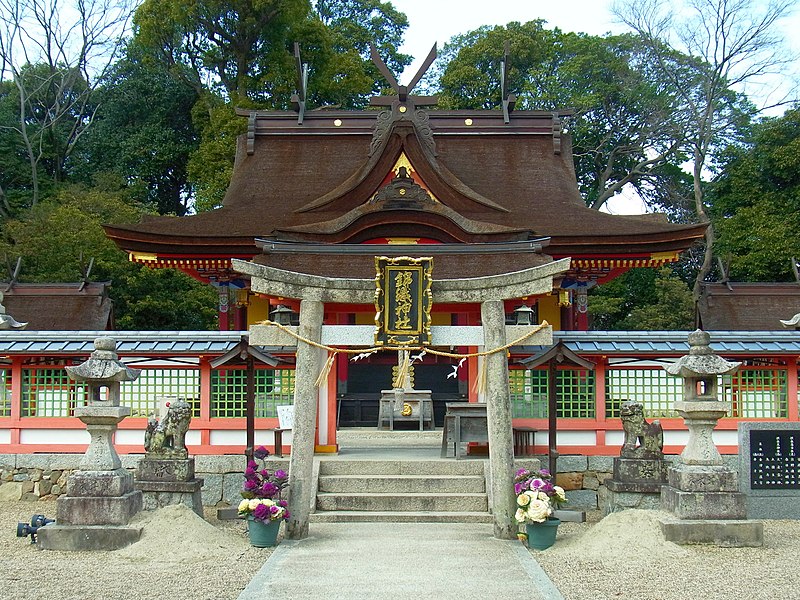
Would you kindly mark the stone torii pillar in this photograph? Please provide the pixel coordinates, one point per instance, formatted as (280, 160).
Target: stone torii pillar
(301, 460)
(314, 291)
(498, 420)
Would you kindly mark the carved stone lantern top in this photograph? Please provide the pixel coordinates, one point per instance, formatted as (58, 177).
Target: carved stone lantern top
(701, 361)
(103, 366)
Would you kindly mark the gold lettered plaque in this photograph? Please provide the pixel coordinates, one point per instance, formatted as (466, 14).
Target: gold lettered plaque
(403, 301)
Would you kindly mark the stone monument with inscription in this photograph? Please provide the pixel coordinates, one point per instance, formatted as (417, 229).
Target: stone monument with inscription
(166, 473)
(769, 468)
(95, 511)
(702, 493)
(640, 470)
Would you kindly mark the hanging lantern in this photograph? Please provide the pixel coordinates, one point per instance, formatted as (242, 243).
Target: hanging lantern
(282, 315)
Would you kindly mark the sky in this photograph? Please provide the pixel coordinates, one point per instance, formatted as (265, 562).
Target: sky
(438, 20)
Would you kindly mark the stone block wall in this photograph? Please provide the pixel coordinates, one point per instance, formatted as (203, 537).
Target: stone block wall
(583, 478)
(44, 476)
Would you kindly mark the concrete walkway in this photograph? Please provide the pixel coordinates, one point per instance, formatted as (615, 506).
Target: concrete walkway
(341, 561)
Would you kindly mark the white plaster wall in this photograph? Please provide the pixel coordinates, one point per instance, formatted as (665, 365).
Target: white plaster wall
(5, 436)
(227, 437)
(267, 438)
(568, 438)
(676, 438)
(129, 437)
(54, 436)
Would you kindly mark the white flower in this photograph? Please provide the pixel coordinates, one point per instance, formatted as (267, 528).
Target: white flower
(536, 484)
(523, 500)
(539, 510)
(560, 494)
(520, 516)
(253, 503)
(543, 496)
(244, 506)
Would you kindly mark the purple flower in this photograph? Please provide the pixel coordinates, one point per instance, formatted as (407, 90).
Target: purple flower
(268, 489)
(251, 464)
(262, 512)
(274, 510)
(264, 473)
(283, 503)
(249, 472)
(287, 515)
(281, 474)
(544, 473)
(250, 485)
(261, 453)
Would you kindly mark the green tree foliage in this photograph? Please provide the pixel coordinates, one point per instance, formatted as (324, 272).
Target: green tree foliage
(756, 202)
(239, 53)
(643, 299)
(626, 128)
(732, 43)
(59, 236)
(210, 167)
(143, 132)
(243, 49)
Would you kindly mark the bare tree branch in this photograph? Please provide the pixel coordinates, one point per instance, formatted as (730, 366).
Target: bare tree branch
(732, 43)
(57, 53)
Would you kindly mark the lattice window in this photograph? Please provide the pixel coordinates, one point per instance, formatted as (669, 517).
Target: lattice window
(655, 389)
(756, 393)
(274, 387)
(50, 393)
(751, 392)
(145, 395)
(529, 392)
(5, 393)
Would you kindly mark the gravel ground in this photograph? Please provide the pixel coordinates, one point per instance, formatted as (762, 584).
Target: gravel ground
(625, 556)
(621, 556)
(193, 559)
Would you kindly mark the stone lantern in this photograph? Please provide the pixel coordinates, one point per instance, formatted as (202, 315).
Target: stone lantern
(100, 498)
(701, 408)
(702, 492)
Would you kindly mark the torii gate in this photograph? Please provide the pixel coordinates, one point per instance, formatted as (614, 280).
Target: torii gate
(314, 291)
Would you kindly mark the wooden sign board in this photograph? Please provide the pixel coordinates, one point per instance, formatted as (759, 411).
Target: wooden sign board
(403, 301)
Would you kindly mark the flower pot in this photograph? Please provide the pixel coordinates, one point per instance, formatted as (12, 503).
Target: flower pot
(542, 535)
(263, 535)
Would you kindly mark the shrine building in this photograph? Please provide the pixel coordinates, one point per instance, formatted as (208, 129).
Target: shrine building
(483, 192)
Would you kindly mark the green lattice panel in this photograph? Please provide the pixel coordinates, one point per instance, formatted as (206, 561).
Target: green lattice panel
(274, 387)
(5, 393)
(655, 389)
(145, 394)
(529, 392)
(757, 393)
(50, 393)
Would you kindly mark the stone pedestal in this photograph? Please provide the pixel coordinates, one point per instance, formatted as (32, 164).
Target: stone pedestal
(636, 483)
(167, 481)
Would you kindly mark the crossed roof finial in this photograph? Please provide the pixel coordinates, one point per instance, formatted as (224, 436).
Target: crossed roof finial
(403, 91)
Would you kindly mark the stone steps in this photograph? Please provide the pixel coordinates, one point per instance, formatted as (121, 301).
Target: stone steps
(373, 516)
(442, 491)
(449, 484)
(410, 501)
(401, 467)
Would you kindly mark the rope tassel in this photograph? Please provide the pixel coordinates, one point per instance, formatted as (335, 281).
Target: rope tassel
(483, 374)
(402, 372)
(326, 369)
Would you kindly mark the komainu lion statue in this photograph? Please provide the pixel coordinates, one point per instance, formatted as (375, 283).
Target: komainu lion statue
(167, 438)
(642, 439)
